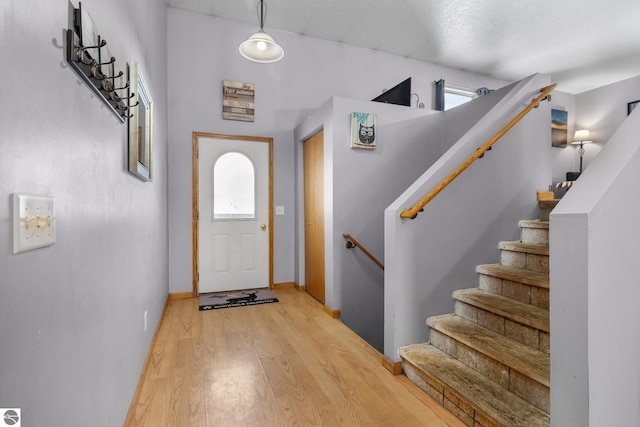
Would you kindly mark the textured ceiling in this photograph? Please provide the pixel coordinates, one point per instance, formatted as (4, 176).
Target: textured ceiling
(582, 44)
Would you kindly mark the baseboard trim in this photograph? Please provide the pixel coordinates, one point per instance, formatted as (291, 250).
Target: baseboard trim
(334, 314)
(147, 363)
(395, 368)
(285, 285)
(298, 287)
(181, 295)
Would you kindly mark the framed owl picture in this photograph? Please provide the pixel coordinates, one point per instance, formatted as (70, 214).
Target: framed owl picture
(363, 130)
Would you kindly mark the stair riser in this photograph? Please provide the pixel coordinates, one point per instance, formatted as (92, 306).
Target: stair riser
(534, 236)
(546, 206)
(464, 410)
(544, 214)
(525, 387)
(515, 290)
(524, 334)
(531, 262)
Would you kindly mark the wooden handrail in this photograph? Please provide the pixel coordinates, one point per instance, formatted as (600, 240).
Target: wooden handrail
(350, 238)
(413, 212)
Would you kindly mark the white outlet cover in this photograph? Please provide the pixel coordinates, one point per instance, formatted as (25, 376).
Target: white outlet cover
(34, 224)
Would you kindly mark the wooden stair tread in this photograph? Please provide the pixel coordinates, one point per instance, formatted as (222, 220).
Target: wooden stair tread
(515, 274)
(526, 360)
(517, 311)
(529, 248)
(486, 396)
(533, 223)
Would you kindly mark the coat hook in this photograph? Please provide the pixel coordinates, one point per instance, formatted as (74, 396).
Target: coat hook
(97, 67)
(96, 70)
(123, 87)
(120, 74)
(113, 95)
(81, 51)
(120, 101)
(102, 44)
(108, 82)
(81, 58)
(111, 61)
(124, 111)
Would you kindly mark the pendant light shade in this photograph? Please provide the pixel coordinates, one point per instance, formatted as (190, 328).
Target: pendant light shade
(261, 47)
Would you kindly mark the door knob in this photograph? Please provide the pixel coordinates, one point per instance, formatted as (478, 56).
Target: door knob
(263, 226)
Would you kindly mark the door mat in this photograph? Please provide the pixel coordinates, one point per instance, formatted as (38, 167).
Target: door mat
(235, 299)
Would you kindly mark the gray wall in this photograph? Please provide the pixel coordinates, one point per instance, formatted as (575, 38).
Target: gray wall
(203, 51)
(365, 182)
(594, 281)
(71, 314)
(602, 111)
(361, 184)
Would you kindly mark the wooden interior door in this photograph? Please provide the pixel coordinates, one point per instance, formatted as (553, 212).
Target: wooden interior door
(314, 215)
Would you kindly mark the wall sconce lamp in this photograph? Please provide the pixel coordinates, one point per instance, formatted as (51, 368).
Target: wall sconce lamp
(261, 47)
(581, 137)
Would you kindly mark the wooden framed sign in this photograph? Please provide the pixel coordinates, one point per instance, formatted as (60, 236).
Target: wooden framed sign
(238, 101)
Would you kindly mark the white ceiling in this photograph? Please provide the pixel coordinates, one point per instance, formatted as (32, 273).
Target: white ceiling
(582, 44)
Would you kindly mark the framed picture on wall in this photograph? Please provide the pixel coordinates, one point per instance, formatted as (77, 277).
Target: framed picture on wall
(140, 125)
(363, 130)
(238, 101)
(559, 128)
(631, 106)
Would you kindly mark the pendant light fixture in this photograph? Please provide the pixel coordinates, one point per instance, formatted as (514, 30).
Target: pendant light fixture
(261, 47)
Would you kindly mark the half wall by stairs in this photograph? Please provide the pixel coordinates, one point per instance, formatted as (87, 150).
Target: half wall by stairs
(488, 363)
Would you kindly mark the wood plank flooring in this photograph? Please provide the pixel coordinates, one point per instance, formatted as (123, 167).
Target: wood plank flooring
(278, 364)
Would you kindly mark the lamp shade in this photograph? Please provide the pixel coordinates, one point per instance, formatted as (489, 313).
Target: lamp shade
(581, 137)
(261, 47)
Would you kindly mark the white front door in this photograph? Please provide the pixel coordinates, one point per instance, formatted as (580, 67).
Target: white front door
(233, 213)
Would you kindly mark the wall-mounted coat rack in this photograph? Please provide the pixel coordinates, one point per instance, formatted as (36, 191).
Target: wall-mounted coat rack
(88, 54)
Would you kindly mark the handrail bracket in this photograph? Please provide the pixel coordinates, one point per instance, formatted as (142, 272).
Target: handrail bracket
(353, 243)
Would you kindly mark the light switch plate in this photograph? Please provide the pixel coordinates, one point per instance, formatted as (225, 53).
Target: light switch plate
(279, 210)
(34, 224)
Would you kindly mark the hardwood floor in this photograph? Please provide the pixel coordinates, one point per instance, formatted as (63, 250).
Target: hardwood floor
(278, 364)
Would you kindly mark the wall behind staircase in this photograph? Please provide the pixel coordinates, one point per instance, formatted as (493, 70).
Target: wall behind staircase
(429, 257)
(602, 111)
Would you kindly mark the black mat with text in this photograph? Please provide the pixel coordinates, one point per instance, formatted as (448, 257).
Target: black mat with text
(235, 299)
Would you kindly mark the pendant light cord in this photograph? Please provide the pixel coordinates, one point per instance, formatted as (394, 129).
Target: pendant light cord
(262, 12)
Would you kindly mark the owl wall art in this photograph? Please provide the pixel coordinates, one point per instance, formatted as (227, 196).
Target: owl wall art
(363, 130)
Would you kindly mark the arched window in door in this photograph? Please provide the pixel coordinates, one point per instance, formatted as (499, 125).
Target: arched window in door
(234, 182)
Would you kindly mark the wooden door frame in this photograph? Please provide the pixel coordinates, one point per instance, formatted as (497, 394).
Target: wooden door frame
(194, 197)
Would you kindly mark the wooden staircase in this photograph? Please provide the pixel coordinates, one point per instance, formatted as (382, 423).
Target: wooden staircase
(488, 363)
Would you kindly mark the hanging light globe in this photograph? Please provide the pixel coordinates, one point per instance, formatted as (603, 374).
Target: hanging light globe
(261, 47)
